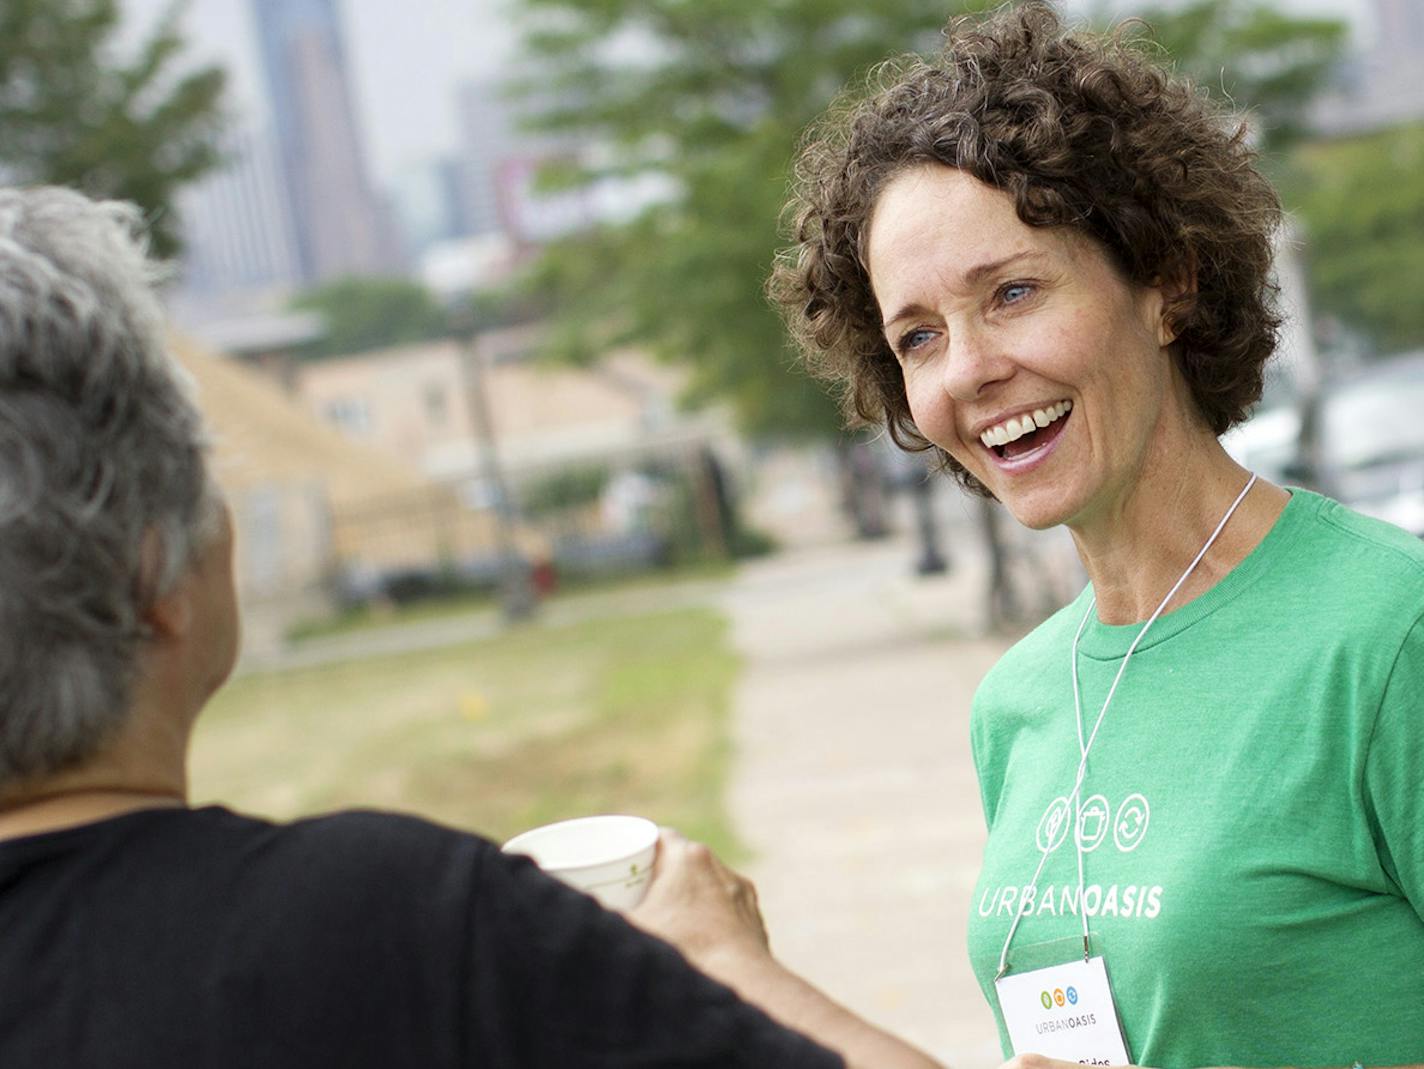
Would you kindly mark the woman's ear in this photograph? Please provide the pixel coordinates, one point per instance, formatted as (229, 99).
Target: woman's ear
(169, 615)
(1179, 298)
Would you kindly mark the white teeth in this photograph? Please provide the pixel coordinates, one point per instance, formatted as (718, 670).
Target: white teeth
(1016, 427)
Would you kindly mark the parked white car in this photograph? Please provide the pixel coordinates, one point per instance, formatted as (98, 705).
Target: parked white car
(1360, 439)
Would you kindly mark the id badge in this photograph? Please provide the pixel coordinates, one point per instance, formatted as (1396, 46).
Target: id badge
(1064, 1011)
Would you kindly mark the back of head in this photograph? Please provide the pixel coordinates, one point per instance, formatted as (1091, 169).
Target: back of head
(104, 489)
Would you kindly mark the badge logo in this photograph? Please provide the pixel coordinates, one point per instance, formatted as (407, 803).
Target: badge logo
(1130, 825)
(1058, 997)
(1094, 819)
(1053, 828)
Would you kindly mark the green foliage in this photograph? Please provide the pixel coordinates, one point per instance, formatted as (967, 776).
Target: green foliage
(1253, 54)
(372, 313)
(1362, 201)
(565, 488)
(712, 105)
(72, 113)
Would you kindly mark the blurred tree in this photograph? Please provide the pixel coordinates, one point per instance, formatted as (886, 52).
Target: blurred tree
(1362, 200)
(709, 98)
(1252, 53)
(372, 313)
(75, 114)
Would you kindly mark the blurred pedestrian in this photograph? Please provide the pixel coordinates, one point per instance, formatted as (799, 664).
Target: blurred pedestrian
(1048, 261)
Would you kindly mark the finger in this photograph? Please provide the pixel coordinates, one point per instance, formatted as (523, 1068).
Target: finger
(754, 908)
(672, 844)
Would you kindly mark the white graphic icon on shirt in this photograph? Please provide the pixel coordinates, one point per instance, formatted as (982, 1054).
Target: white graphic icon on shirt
(1094, 819)
(1131, 823)
(1053, 828)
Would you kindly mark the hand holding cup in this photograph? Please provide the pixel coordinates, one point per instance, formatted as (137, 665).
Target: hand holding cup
(670, 886)
(700, 905)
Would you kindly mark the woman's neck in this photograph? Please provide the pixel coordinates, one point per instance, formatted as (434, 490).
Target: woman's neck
(35, 815)
(1135, 553)
(144, 766)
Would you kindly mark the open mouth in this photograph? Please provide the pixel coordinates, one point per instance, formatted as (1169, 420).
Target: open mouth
(1019, 436)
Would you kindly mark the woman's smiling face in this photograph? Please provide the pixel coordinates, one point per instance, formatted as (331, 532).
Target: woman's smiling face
(1026, 356)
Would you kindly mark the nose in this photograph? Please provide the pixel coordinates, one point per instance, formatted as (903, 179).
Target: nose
(973, 363)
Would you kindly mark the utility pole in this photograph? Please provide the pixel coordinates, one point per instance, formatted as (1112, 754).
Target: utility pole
(517, 597)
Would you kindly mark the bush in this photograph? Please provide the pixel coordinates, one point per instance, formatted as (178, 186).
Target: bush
(563, 489)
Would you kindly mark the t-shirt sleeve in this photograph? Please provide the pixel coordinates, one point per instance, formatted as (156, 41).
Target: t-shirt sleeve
(978, 743)
(556, 981)
(1392, 771)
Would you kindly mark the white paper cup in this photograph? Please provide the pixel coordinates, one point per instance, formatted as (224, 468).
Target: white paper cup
(608, 857)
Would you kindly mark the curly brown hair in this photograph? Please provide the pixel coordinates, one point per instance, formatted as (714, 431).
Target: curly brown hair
(1083, 131)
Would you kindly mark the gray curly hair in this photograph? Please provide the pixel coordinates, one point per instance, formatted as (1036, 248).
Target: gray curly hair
(104, 488)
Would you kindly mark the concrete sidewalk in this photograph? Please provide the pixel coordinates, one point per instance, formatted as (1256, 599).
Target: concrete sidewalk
(854, 785)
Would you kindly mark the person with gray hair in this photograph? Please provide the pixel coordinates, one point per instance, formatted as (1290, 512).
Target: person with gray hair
(105, 499)
(142, 932)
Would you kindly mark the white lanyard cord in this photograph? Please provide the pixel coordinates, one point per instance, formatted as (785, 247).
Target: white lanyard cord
(1074, 799)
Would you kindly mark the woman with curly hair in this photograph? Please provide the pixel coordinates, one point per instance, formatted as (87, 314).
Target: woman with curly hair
(1049, 262)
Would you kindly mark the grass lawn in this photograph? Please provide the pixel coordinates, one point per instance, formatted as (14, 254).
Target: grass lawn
(614, 715)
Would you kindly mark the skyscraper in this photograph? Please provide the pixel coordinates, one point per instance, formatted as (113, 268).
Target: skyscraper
(1397, 88)
(1380, 86)
(487, 137)
(338, 222)
(1401, 27)
(237, 231)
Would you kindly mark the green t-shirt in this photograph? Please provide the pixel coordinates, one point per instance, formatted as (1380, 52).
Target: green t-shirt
(1253, 811)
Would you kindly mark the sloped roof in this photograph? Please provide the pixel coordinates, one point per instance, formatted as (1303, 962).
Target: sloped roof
(263, 436)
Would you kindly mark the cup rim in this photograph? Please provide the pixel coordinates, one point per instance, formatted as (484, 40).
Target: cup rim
(648, 826)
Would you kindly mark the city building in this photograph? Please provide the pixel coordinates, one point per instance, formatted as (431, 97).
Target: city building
(1401, 28)
(340, 225)
(236, 227)
(493, 425)
(1381, 86)
(487, 136)
(415, 403)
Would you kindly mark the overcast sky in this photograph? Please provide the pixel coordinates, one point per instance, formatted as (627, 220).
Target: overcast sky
(409, 55)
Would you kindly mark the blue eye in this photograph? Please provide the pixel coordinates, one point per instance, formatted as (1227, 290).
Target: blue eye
(1015, 292)
(912, 340)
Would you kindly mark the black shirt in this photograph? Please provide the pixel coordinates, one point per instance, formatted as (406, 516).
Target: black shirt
(201, 938)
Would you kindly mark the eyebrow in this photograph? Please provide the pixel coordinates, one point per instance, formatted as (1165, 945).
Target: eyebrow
(973, 275)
